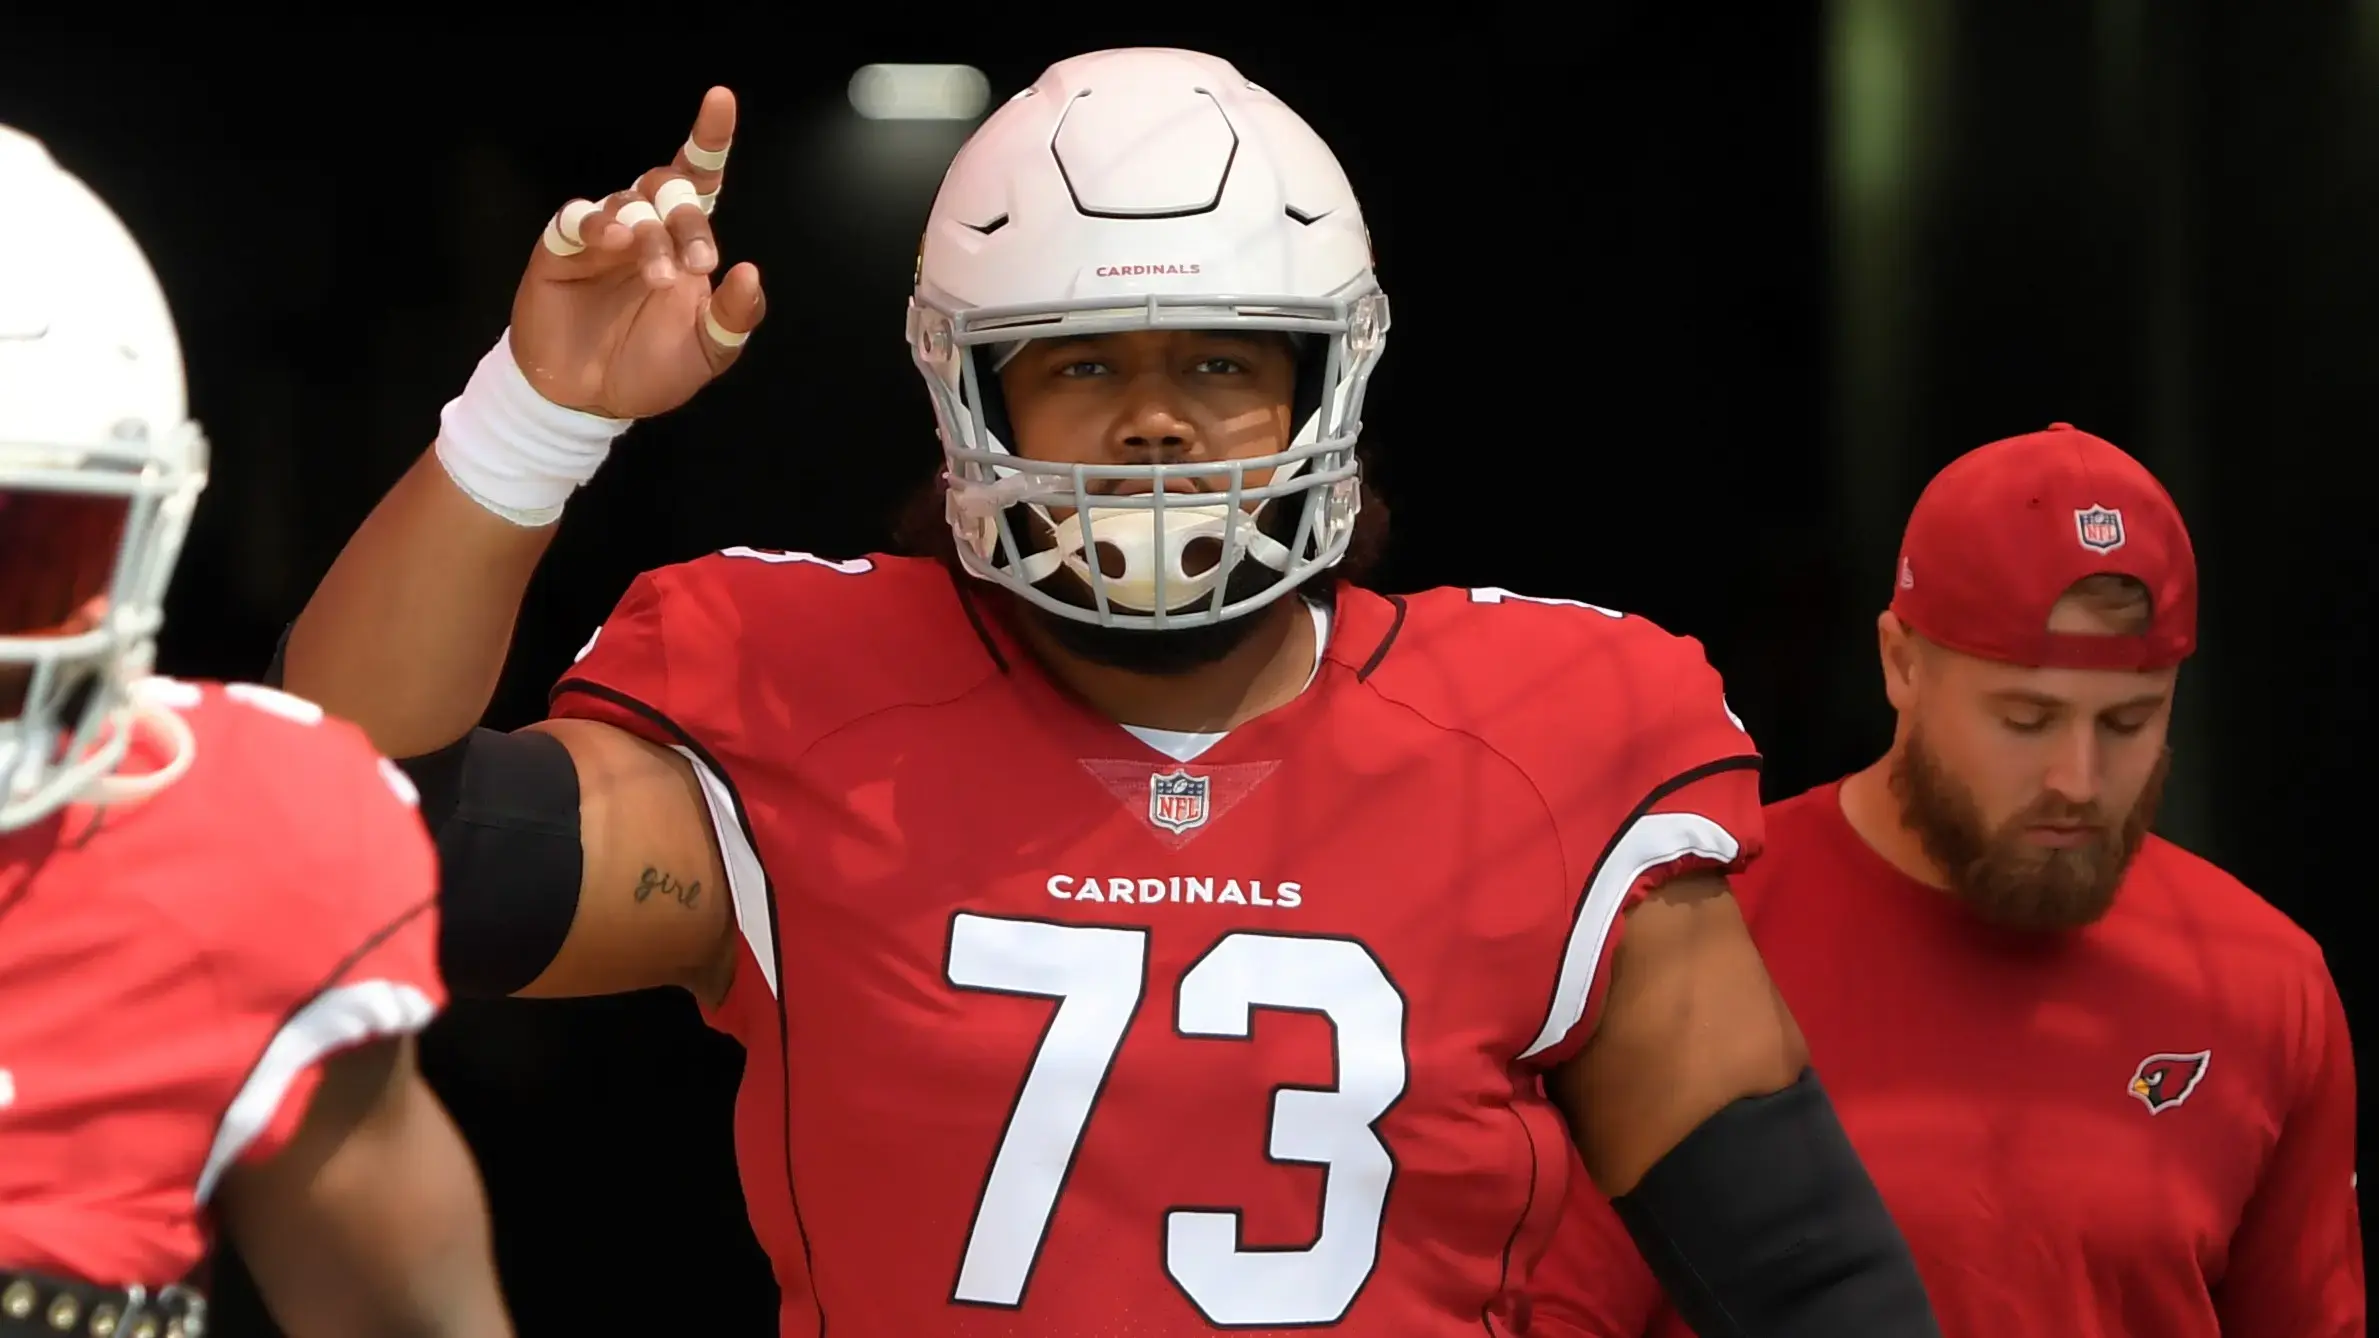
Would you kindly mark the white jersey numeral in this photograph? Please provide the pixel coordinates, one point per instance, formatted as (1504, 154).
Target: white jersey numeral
(847, 566)
(1495, 594)
(1490, 594)
(273, 701)
(1098, 976)
(1327, 1127)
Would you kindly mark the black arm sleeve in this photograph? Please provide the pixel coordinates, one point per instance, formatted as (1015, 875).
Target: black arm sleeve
(504, 809)
(1763, 1223)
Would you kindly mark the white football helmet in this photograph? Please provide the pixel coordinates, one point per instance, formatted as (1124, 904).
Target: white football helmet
(99, 470)
(1130, 190)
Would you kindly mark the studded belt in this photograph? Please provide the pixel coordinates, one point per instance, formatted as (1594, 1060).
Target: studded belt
(32, 1304)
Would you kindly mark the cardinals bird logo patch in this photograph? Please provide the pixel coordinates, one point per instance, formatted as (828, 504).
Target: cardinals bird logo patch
(2164, 1081)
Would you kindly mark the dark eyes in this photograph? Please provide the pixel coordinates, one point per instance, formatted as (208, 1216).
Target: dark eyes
(2036, 724)
(1216, 366)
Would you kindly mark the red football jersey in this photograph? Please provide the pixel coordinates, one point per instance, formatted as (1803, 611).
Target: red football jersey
(2145, 1127)
(174, 969)
(1052, 1032)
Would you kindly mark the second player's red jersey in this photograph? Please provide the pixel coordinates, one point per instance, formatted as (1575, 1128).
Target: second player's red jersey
(2143, 1127)
(1063, 1030)
(173, 971)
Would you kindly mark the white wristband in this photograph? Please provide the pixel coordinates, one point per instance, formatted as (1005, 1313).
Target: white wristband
(514, 451)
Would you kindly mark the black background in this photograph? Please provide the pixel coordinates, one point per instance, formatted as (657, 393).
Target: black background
(1687, 309)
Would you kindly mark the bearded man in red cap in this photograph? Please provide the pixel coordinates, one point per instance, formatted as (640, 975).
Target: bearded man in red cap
(2105, 1088)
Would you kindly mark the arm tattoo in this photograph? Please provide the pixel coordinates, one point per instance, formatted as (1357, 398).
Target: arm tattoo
(654, 880)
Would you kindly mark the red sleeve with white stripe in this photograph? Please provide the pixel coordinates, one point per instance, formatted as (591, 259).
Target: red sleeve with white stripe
(624, 677)
(346, 953)
(1673, 789)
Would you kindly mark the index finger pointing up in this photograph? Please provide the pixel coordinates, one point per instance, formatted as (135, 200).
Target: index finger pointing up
(702, 159)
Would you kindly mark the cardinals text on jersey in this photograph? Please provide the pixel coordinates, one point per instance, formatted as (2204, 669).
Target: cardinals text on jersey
(1038, 1045)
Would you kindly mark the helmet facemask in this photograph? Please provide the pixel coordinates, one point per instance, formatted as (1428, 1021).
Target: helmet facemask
(79, 527)
(1095, 563)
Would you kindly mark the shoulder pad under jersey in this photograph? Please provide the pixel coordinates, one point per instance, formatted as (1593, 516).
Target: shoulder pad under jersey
(749, 639)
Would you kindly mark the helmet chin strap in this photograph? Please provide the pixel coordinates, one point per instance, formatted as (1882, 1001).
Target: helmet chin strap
(1134, 538)
(96, 776)
(181, 744)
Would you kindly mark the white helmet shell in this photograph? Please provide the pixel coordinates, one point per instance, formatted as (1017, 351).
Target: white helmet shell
(1139, 189)
(91, 407)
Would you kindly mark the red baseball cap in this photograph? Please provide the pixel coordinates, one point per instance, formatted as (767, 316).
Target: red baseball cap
(2006, 529)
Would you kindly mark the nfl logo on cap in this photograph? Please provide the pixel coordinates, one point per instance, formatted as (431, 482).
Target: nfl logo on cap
(2100, 528)
(1177, 801)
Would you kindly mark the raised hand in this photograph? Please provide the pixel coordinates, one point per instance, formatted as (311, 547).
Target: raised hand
(617, 314)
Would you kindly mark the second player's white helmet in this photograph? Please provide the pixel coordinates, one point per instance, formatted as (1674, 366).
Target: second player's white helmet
(1130, 190)
(100, 468)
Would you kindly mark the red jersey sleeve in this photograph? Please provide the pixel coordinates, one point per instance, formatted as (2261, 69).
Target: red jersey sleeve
(1667, 784)
(698, 655)
(338, 947)
(1592, 1281)
(2296, 1261)
(621, 675)
(739, 660)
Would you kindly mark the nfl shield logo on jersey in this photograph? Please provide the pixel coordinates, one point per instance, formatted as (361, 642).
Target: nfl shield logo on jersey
(2100, 528)
(1177, 801)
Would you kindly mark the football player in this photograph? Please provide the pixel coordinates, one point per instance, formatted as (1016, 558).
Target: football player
(2106, 1088)
(1130, 923)
(217, 906)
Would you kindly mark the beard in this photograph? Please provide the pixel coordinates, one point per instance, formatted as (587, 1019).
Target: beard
(2005, 879)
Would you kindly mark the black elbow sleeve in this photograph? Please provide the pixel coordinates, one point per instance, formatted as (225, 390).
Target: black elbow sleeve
(1763, 1223)
(504, 810)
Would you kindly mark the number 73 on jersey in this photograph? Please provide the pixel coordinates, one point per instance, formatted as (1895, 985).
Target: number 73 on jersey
(1099, 978)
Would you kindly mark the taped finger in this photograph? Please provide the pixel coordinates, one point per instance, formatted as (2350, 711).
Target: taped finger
(720, 334)
(636, 212)
(675, 194)
(707, 160)
(706, 203)
(561, 231)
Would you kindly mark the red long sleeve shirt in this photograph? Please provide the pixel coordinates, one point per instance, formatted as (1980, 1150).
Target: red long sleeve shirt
(2145, 1127)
